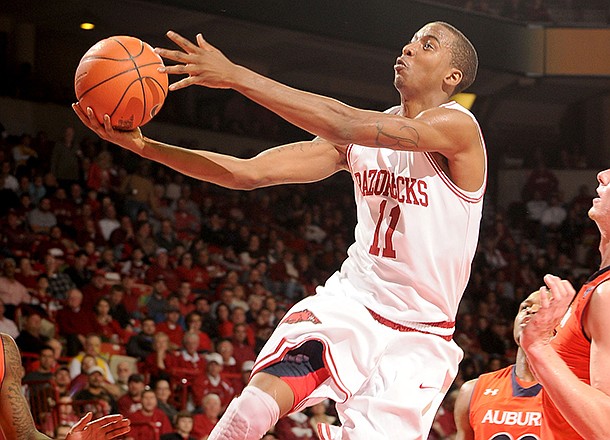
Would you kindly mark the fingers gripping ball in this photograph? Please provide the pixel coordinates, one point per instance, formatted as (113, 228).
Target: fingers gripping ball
(118, 76)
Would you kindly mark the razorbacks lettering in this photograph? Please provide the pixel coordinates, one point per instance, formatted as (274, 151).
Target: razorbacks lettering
(385, 183)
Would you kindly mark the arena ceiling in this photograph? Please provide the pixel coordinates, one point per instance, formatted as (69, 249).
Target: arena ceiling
(357, 72)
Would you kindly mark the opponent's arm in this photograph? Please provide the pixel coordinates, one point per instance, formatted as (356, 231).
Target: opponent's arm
(15, 417)
(301, 162)
(461, 411)
(449, 132)
(585, 407)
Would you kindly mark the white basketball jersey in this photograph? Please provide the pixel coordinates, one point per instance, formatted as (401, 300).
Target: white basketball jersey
(416, 235)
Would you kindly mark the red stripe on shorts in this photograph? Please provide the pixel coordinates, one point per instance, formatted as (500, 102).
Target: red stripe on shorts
(403, 328)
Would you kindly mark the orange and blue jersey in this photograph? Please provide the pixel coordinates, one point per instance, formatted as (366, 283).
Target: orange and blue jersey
(504, 408)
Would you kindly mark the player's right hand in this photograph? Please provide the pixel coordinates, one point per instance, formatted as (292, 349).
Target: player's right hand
(131, 140)
(204, 64)
(555, 298)
(104, 428)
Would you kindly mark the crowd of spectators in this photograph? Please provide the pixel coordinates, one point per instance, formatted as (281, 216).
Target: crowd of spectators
(135, 277)
(132, 288)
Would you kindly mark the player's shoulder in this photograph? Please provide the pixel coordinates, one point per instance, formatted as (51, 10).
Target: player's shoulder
(448, 113)
(468, 387)
(598, 309)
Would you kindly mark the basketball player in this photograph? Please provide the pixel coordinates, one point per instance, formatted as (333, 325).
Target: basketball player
(377, 337)
(506, 403)
(15, 417)
(573, 366)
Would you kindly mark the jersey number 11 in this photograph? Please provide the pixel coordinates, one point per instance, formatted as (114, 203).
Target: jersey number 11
(388, 248)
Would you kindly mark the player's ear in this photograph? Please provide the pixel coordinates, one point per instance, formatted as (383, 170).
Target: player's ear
(454, 77)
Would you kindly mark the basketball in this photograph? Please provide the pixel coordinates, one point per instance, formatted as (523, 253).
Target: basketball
(118, 76)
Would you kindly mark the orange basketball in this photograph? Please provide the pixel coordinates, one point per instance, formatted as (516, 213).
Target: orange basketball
(118, 76)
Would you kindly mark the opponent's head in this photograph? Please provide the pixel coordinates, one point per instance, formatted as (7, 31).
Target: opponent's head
(528, 308)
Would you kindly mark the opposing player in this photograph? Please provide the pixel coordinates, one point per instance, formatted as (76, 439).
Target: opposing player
(506, 403)
(377, 337)
(570, 352)
(15, 417)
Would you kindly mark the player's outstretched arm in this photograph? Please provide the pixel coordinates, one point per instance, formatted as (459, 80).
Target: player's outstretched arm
(585, 407)
(446, 131)
(461, 411)
(301, 162)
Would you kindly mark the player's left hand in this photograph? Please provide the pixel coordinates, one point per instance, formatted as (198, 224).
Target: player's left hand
(104, 428)
(203, 63)
(555, 298)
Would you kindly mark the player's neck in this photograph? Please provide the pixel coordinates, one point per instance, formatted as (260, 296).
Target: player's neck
(411, 107)
(604, 250)
(522, 369)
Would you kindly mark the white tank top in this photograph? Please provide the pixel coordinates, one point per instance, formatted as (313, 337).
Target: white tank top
(416, 235)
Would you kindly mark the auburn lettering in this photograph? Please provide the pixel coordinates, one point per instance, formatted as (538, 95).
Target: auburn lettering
(497, 417)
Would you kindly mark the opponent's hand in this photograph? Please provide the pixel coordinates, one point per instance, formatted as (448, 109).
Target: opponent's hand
(104, 428)
(203, 63)
(555, 298)
(132, 140)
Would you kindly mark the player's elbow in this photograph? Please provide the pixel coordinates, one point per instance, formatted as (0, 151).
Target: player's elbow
(247, 178)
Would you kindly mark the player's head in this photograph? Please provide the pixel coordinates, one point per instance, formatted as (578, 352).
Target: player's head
(438, 51)
(528, 308)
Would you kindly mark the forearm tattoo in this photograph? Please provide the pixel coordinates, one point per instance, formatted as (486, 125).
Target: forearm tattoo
(20, 414)
(408, 140)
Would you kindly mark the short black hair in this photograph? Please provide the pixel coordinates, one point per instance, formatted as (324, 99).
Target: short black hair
(464, 56)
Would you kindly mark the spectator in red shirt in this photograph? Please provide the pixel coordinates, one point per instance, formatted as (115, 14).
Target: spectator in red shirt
(223, 318)
(213, 381)
(148, 414)
(186, 298)
(205, 422)
(189, 364)
(196, 275)
(162, 266)
(94, 290)
(56, 244)
(243, 349)
(156, 362)
(74, 322)
(171, 327)
(132, 401)
(193, 325)
(105, 325)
